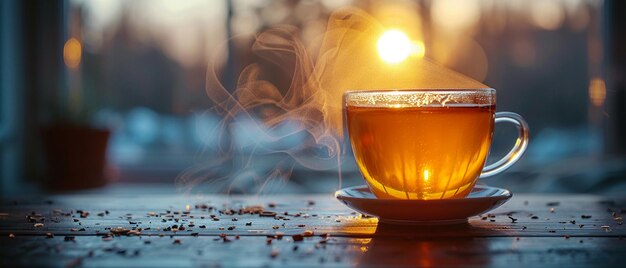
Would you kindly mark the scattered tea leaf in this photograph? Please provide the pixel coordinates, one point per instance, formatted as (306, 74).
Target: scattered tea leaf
(267, 214)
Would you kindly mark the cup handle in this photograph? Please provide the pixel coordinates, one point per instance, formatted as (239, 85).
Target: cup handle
(518, 149)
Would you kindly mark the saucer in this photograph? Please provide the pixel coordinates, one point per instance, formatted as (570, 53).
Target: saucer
(483, 198)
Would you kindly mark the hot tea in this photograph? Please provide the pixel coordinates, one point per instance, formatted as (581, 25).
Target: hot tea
(421, 152)
(426, 144)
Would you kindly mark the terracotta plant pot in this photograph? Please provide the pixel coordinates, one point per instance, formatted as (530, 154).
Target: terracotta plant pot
(75, 156)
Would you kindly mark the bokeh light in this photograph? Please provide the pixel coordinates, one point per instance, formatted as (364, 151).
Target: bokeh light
(548, 15)
(72, 52)
(418, 49)
(597, 91)
(456, 15)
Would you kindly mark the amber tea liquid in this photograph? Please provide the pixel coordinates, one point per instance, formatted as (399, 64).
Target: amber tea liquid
(421, 152)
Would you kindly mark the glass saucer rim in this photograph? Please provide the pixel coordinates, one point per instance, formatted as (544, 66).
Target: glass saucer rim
(502, 194)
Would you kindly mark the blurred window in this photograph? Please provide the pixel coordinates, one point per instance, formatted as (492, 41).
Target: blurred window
(144, 66)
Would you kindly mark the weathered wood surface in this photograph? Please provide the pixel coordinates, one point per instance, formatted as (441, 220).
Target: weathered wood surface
(528, 230)
(336, 252)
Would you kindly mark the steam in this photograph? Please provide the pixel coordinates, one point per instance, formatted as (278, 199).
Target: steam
(268, 126)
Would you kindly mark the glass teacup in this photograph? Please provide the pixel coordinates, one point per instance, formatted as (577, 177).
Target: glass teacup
(425, 143)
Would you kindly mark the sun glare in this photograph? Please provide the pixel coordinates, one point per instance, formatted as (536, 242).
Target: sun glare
(395, 46)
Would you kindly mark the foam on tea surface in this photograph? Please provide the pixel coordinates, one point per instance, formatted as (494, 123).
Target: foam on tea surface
(421, 98)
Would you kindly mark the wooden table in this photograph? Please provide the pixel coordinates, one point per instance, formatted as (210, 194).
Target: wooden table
(177, 230)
